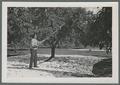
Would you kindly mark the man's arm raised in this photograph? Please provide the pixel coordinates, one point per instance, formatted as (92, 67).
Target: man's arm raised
(40, 42)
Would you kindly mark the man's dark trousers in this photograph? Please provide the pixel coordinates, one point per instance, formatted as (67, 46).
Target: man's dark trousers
(33, 58)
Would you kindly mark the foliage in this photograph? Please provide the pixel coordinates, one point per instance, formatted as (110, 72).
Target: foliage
(69, 27)
(65, 24)
(99, 33)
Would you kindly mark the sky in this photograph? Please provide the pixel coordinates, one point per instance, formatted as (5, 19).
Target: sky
(94, 9)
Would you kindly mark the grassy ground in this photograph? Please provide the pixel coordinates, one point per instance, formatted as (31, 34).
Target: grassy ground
(67, 63)
(86, 52)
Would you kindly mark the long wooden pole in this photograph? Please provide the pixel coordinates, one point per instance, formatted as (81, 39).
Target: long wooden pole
(50, 35)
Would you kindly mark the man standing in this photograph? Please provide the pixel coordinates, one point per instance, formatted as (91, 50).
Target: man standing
(33, 50)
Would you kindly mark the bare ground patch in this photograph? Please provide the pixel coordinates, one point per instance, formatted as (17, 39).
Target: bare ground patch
(60, 66)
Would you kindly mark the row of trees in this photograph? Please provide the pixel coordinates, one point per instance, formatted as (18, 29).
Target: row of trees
(68, 27)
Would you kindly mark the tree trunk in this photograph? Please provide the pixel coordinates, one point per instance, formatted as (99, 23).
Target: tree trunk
(52, 53)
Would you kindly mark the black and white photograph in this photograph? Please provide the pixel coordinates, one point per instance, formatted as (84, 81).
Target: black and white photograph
(59, 42)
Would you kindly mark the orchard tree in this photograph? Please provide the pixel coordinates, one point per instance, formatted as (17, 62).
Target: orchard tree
(71, 21)
(23, 22)
(99, 33)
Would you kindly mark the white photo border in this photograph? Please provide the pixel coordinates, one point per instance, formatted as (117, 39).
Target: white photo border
(115, 59)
